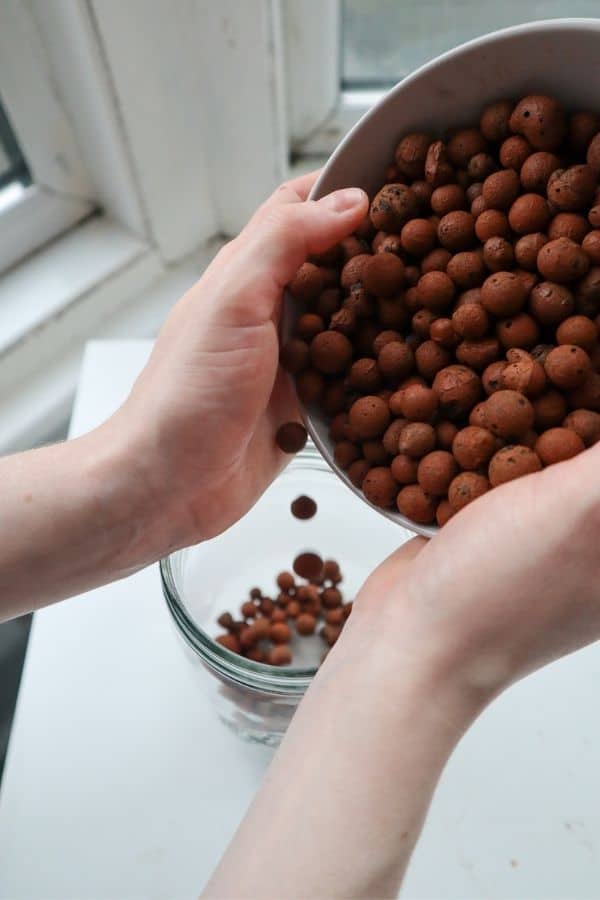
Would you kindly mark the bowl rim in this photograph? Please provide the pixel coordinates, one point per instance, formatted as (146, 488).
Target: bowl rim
(568, 23)
(565, 24)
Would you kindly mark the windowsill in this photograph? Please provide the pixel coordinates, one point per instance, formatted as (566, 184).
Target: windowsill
(352, 105)
(32, 217)
(96, 281)
(46, 283)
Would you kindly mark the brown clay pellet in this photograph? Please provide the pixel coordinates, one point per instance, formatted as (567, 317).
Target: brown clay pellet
(303, 507)
(308, 565)
(291, 437)
(476, 275)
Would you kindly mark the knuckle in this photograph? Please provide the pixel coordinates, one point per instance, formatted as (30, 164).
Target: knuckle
(287, 187)
(228, 251)
(284, 186)
(282, 220)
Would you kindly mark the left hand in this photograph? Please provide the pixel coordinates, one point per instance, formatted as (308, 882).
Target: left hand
(204, 412)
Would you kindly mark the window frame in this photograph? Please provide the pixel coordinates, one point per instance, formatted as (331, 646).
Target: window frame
(322, 112)
(112, 86)
(17, 170)
(61, 193)
(130, 82)
(349, 108)
(34, 219)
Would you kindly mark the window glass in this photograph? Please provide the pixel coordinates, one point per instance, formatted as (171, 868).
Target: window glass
(13, 167)
(384, 40)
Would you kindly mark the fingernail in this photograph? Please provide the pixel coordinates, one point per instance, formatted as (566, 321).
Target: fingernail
(343, 200)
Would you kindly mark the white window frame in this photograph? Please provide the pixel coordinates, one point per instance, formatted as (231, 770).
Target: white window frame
(106, 96)
(36, 216)
(139, 89)
(61, 194)
(321, 113)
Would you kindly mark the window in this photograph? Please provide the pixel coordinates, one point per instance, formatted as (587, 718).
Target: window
(43, 186)
(13, 168)
(14, 173)
(383, 40)
(372, 44)
(149, 130)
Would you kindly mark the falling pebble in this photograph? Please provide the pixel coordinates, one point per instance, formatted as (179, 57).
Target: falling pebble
(291, 437)
(308, 565)
(303, 507)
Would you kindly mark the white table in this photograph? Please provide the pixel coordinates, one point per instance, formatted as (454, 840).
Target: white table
(121, 783)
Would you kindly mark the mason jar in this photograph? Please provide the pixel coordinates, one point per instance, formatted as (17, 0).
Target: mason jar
(202, 581)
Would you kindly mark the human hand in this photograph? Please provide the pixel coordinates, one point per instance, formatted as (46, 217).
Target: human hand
(509, 584)
(205, 410)
(437, 631)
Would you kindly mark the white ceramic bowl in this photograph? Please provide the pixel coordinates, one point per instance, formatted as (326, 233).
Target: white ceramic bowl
(559, 57)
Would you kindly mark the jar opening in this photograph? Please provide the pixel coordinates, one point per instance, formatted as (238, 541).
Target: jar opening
(231, 666)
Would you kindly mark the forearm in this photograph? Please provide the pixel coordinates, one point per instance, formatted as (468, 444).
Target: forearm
(74, 515)
(344, 801)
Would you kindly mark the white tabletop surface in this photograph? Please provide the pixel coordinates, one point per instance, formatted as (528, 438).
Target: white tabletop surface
(121, 783)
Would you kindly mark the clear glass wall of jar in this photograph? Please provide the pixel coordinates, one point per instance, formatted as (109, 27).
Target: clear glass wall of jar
(202, 581)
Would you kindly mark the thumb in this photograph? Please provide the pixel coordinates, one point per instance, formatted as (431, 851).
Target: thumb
(248, 275)
(283, 236)
(390, 574)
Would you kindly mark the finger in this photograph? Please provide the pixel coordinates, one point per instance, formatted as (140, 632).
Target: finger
(389, 576)
(282, 236)
(283, 407)
(295, 231)
(407, 552)
(404, 554)
(294, 191)
(251, 271)
(389, 571)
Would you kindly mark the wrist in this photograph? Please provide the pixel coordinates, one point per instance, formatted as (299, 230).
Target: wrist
(416, 665)
(128, 497)
(386, 728)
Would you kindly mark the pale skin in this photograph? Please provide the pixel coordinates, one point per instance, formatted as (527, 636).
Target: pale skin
(432, 639)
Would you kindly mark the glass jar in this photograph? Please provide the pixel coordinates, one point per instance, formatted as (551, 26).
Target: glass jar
(201, 582)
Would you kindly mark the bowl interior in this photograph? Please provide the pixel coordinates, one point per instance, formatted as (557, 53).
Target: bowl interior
(559, 57)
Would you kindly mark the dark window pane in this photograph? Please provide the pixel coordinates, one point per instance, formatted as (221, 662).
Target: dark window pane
(384, 40)
(12, 164)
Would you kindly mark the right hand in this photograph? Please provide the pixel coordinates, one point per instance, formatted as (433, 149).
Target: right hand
(511, 583)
